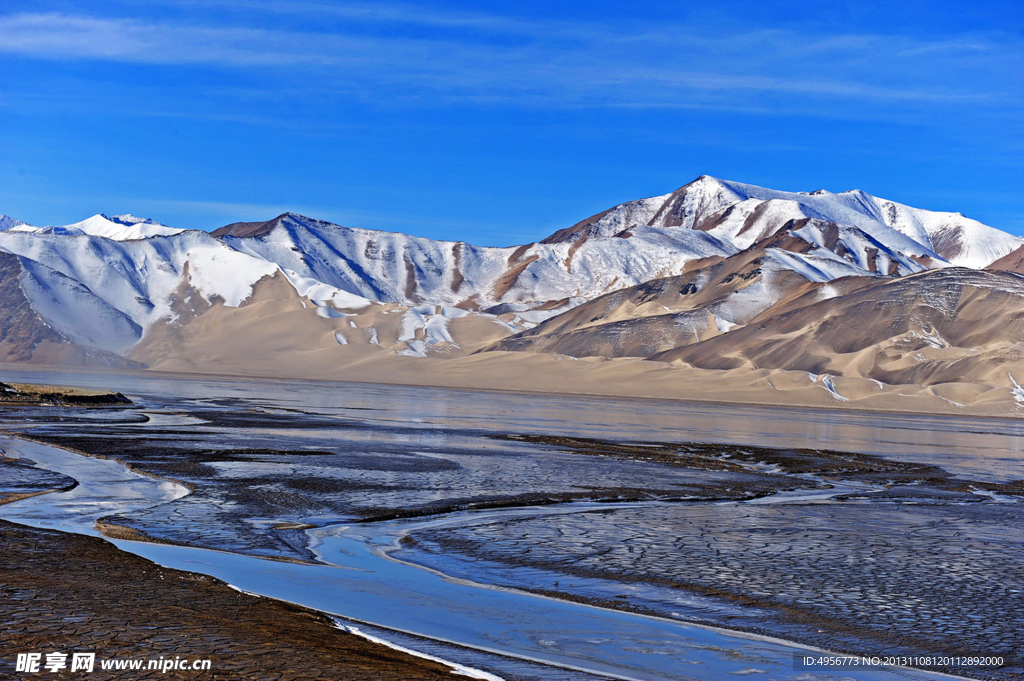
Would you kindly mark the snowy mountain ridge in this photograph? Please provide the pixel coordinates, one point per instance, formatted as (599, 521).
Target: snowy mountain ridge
(742, 214)
(118, 227)
(104, 282)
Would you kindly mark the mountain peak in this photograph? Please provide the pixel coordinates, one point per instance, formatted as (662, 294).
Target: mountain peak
(704, 181)
(252, 229)
(7, 222)
(117, 227)
(128, 220)
(259, 229)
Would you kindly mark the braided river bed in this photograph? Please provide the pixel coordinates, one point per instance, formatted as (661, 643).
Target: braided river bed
(591, 537)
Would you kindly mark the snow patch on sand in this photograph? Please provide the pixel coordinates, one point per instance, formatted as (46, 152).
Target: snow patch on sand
(830, 386)
(429, 323)
(322, 294)
(416, 348)
(1017, 390)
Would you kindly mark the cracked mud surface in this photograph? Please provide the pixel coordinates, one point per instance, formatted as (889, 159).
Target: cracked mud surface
(874, 578)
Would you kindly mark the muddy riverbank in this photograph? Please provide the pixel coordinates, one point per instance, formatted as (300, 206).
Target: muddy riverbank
(69, 593)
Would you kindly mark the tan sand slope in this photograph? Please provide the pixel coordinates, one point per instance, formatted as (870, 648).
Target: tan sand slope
(284, 334)
(942, 326)
(1011, 262)
(260, 338)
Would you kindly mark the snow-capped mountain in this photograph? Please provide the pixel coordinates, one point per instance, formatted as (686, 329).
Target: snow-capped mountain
(823, 235)
(104, 283)
(7, 222)
(742, 215)
(104, 293)
(395, 267)
(117, 227)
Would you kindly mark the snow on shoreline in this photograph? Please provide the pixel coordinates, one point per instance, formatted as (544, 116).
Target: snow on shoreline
(458, 669)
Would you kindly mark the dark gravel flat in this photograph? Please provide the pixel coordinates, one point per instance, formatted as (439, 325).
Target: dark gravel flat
(66, 593)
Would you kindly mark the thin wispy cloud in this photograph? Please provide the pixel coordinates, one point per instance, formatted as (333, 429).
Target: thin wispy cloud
(550, 65)
(392, 13)
(396, 13)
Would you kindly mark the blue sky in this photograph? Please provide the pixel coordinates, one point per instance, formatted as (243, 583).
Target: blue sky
(497, 122)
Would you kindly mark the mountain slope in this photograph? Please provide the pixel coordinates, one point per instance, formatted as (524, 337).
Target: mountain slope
(7, 222)
(395, 267)
(105, 294)
(941, 326)
(26, 337)
(713, 297)
(1011, 262)
(822, 235)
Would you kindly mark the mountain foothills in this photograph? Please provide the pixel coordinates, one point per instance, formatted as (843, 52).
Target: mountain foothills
(719, 290)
